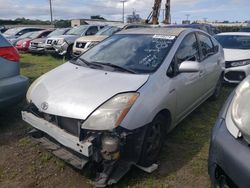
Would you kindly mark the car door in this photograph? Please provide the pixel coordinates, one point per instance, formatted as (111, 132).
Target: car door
(210, 58)
(189, 87)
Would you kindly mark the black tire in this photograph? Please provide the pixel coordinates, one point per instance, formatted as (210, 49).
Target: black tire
(153, 141)
(217, 90)
(69, 54)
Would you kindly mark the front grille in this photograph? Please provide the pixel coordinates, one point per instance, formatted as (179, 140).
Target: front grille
(80, 44)
(70, 125)
(49, 41)
(34, 44)
(235, 75)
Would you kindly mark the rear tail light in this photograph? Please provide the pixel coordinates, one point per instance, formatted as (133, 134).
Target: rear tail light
(9, 53)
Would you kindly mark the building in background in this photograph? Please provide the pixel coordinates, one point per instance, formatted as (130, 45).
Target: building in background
(134, 18)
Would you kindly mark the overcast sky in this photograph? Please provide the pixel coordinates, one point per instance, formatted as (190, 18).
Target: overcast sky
(233, 10)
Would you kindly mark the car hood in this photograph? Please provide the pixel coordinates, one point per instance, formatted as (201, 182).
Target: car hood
(75, 91)
(41, 40)
(66, 37)
(94, 38)
(236, 54)
(23, 40)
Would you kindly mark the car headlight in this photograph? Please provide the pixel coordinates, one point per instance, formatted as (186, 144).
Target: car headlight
(241, 107)
(24, 44)
(60, 41)
(111, 113)
(240, 63)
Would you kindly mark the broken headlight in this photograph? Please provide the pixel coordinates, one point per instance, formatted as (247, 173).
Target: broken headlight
(111, 113)
(241, 108)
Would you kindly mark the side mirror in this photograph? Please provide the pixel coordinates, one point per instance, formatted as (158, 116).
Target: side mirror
(189, 66)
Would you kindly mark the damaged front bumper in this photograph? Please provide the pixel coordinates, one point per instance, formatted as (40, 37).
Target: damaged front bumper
(61, 49)
(114, 152)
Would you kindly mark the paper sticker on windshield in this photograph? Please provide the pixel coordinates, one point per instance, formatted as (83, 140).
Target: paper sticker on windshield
(164, 37)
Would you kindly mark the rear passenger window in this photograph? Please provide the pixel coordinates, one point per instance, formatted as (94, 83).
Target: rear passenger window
(188, 50)
(92, 30)
(207, 47)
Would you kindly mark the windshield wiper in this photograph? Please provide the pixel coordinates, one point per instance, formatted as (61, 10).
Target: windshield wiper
(116, 67)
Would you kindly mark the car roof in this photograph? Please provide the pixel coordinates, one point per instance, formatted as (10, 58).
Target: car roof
(235, 33)
(156, 31)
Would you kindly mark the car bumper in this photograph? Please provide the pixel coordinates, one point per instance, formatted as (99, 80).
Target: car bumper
(236, 74)
(37, 50)
(82, 147)
(12, 90)
(229, 154)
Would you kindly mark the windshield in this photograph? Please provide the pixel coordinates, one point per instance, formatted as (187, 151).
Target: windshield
(12, 31)
(77, 30)
(26, 35)
(108, 31)
(35, 34)
(57, 32)
(234, 41)
(139, 53)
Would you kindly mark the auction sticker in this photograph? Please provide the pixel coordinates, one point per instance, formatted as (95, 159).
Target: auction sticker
(164, 37)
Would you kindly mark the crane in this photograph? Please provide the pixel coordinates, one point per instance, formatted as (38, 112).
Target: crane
(154, 15)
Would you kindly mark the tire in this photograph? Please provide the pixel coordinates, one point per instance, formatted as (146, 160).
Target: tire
(217, 90)
(153, 142)
(69, 54)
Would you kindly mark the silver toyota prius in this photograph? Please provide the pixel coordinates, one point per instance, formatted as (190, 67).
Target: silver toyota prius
(113, 105)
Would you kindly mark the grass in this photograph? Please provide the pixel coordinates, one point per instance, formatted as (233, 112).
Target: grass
(183, 160)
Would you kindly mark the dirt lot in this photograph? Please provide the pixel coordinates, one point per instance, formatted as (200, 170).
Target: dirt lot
(183, 161)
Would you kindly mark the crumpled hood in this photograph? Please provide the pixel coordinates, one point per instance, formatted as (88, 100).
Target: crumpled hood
(40, 40)
(65, 37)
(75, 92)
(236, 54)
(93, 38)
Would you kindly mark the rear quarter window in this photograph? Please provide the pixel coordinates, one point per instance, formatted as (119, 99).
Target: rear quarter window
(3, 42)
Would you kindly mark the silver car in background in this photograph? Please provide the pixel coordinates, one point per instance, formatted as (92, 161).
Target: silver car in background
(12, 86)
(114, 104)
(63, 44)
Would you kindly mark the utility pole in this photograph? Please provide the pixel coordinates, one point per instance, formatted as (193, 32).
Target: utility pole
(167, 19)
(51, 12)
(123, 5)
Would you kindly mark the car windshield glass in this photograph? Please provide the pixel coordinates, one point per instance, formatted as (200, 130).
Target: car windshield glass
(234, 41)
(35, 34)
(77, 30)
(12, 31)
(138, 53)
(57, 32)
(26, 35)
(107, 31)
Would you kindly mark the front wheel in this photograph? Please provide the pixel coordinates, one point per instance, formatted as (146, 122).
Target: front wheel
(153, 142)
(69, 53)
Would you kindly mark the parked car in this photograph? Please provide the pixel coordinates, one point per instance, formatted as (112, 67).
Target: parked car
(63, 44)
(12, 86)
(82, 44)
(237, 55)
(37, 45)
(24, 36)
(245, 29)
(204, 27)
(24, 44)
(229, 148)
(115, 103)
(14, 33)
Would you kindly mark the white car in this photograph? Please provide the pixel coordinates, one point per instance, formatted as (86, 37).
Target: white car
(115, 103)
(237, 55)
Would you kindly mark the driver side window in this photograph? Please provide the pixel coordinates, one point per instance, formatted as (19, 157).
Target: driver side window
(187, 51)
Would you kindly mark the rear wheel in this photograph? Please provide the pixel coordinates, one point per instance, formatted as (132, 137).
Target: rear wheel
(153, 142)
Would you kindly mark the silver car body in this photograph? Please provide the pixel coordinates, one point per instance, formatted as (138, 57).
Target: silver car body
(52, 44)
(75, 92)
(235, 74)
